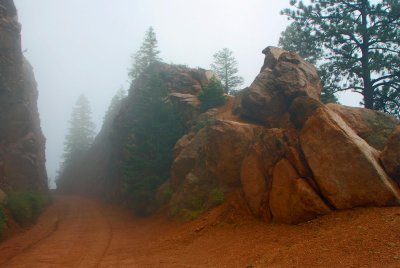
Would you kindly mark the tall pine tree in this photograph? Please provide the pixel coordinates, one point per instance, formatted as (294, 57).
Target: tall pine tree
(360, 41)
(147, 54)
(80, 134)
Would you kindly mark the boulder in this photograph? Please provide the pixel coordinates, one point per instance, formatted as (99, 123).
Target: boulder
(283, 77)
(292, 199)
(390, 157)
(215, 153)
(345, 167)
(373, 126)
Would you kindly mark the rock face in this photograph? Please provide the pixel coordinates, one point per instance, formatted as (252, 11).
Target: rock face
(390, 156)
(22, 156)
(345, 167)
(292, 199)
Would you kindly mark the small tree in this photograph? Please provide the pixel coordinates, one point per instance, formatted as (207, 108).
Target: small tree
(147, 54)
(81, 132)
(360, 42)
(225, 66)
(212, 95)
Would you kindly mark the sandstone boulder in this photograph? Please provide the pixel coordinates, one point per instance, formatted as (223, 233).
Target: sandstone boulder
(390, 156)
(373, 126)
(283, 77)
(215, 153)
(292, 199)
(345, 167)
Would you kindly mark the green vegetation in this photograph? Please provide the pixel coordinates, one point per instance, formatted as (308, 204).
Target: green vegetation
(3, 222)
(147, 54)
(26, 206)
(225, 66)
(154, 131)
(212, 95)
(217, 196)
(192, 206)
(358, 44)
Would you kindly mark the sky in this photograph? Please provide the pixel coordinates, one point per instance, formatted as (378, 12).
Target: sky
(85, 46)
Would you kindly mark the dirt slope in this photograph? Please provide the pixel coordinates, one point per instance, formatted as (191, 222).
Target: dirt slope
(81, 232)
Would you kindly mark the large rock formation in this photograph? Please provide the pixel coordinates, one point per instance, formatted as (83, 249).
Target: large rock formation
(22, 144)
(275, 148)
(298, 158)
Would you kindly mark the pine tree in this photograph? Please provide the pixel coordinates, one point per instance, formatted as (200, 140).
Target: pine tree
(225, 66)
(155, 129)
(360, 42)
(212, 95)
(115, 105)
(80, 134)
(147, 54)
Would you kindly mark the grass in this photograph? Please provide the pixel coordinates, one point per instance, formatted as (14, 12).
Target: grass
(26, 206)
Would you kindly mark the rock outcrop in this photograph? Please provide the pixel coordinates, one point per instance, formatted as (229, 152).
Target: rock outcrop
(274, 148)
(22, 144)
(296, 158)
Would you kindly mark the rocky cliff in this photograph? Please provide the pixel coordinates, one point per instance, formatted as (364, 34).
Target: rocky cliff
(22, 144)
(274, 151)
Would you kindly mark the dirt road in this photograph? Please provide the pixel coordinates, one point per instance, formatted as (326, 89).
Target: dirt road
(82, 232)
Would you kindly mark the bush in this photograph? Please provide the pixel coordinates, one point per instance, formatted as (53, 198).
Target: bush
(3, 222)
(26, 206)
(217, 196)
(212, 95)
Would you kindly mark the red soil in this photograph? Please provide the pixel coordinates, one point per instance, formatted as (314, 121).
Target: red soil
(82, 232)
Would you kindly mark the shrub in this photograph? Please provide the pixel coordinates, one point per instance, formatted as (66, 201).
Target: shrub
(3, 222)
(26, 206)
(212, 95)
(217, 196)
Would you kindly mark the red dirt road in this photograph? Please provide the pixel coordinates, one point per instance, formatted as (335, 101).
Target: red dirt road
(82, 232)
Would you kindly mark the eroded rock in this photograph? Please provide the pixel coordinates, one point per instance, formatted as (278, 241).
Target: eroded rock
(390, 156)
(283, 77)
(372, 126)
(344, 165)
(292, 199)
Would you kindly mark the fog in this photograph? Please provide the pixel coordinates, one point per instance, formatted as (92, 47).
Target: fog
(84, 47)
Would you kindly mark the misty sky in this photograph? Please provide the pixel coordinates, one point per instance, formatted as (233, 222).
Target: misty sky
(84, 47)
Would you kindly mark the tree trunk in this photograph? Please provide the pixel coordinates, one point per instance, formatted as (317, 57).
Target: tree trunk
(368, 91)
